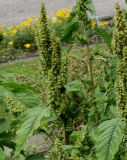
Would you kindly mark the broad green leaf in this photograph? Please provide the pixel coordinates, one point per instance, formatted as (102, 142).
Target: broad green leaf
(21, 92)
(109, 136)
(72, 28)
(34, 118)
(105, 36)
(2, 154)
(74, 86)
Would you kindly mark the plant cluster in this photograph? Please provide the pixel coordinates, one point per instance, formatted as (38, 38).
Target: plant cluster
(19, 39)
(78, 102)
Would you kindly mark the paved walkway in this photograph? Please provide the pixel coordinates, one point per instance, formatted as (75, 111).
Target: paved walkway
(16, 11)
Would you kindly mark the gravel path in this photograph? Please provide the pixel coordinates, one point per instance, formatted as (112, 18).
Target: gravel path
(16, 11)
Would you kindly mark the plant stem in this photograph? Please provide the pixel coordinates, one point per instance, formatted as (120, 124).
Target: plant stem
(66, 133)
(90, 70)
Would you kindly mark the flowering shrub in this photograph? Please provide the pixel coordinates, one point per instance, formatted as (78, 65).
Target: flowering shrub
(21, 36)
(61, 21)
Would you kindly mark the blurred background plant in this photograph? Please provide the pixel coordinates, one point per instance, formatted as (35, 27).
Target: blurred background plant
(19, 39)
(19, 35)
(85, 100)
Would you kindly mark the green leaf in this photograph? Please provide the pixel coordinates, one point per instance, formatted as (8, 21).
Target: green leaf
(21, 92)
(108, 139)
(2, 154)
(72, 28)
(105, 36)
(74, 86)
(68, 49)
(31, 123)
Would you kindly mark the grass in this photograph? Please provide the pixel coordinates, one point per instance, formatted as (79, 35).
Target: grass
(30, 67)
(25, 67)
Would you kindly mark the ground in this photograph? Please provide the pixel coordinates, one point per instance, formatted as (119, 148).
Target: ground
(15, 11)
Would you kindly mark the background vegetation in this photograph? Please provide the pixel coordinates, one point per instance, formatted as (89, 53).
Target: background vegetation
(74, 95)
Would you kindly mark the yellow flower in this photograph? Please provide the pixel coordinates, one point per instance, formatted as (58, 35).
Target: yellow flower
(104, 24)
(11, 43)
(27, 45)
(63, 13)
(94, 23)
(25, 24)
(14, 31)
(30, 20)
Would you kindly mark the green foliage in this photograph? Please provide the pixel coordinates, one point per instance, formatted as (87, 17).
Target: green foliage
(105, 36)
(2, 157)
(78, 22)
(19, 69)
(22, 37)
(4, 124)
(20, 92)
(14, 99)
(72, 28)
(74, 86)
(109, 136)
(77, 91)
(31, 123)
